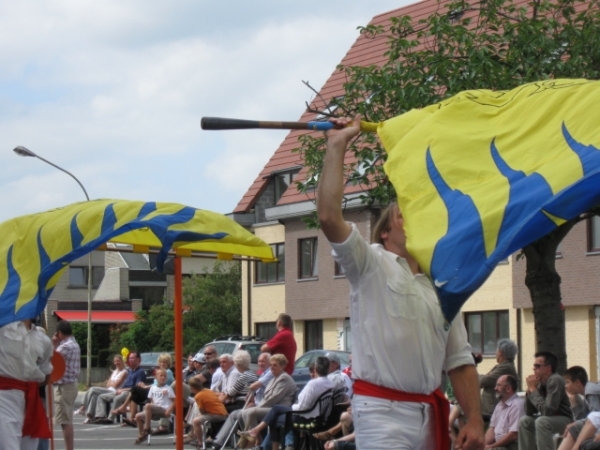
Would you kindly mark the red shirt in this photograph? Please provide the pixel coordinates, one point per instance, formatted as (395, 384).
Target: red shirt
(284, 342)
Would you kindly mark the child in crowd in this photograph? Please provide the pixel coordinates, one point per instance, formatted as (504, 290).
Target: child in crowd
(577, 386)
(161, 403)
(211, 409)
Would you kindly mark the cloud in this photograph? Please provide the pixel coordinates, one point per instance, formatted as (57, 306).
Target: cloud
(114, 92)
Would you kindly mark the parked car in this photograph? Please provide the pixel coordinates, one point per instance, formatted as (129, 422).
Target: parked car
(229, 344)
(149, 364)
(301, 374)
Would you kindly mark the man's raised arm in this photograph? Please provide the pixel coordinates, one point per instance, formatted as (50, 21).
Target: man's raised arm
(330, 191)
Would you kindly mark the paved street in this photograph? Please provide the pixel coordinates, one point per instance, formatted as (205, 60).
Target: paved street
(113, 437)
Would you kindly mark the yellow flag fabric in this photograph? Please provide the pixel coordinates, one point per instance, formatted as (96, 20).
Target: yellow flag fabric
(37, 248)
(484, 173)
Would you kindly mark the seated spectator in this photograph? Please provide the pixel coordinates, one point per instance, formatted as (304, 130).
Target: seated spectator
(345, 427)
(210, 409)
(344, 443)
(281, 390)
(546, 396)
(201, 371)
(227, 378)
(336, 376)
(265, 376)
(115, 381)
(116, 399)
(577, 386)
(275, 419)
(190, 370)
(234, 396)
(139, 394)
(211, 367)
(506, 351)
(161, 401)
(504, 424)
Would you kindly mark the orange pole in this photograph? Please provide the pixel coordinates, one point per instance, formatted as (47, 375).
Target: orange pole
(178, 305)
(49, 407)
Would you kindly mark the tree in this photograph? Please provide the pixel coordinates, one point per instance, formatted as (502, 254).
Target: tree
(213, 304)
(492, 44)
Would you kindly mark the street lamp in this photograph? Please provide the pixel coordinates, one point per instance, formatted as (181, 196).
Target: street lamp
(23, 151)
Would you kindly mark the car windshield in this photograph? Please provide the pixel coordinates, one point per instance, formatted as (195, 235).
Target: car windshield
(149, 359)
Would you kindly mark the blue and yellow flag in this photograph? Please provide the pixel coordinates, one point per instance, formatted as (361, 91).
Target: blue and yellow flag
(482, 174)
(36, 248)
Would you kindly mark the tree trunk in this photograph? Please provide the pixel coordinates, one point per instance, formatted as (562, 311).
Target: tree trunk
(543, 283)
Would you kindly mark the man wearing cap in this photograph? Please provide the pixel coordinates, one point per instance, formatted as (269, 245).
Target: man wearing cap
(336, 376)
(401, 341)
(201, 370)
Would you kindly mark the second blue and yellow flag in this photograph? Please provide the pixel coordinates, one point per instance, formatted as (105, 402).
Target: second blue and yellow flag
(35, 249)
(484, 173)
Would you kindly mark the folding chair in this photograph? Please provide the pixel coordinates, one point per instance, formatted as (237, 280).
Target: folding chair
(304, 428)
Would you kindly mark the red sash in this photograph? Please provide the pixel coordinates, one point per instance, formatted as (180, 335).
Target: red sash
(439, 403)
(36, 422)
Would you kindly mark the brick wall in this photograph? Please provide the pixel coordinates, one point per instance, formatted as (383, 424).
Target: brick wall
(325, 297)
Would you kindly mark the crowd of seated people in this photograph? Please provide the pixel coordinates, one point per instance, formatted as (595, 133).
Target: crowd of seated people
(223, 391)
(138, 395)
(280, 390)
(115, 381)
(276, 417)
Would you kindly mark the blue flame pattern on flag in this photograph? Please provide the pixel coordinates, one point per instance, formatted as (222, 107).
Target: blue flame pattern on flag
(483, 174)
(37, 248)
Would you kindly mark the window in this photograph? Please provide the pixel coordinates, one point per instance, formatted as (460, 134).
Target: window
(338, 270)
(265, 330)
(78, 276)
(281, 182)
(485, 329)
(347, 335)
(272, 272)
(308, 262)
(313, 335)
(594, 234)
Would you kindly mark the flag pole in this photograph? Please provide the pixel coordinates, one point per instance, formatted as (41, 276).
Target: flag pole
(178, 305)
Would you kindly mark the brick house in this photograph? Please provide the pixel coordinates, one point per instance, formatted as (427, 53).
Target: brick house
(307, 284)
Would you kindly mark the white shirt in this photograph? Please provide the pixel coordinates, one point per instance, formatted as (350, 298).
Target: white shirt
(339, 383)
(216, 380)
(231, 377)
(162, 396)
(24, 354)
(116, 374)
(399, 337)
(311, 392)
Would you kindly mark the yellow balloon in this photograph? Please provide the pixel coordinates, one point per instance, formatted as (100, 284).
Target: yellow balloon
(124, 352)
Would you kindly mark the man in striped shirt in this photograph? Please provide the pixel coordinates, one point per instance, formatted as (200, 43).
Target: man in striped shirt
(65, 392)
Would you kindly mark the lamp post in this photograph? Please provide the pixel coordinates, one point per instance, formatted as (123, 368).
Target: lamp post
(23, 151)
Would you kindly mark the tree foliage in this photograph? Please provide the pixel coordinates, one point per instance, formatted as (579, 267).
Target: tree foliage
(213, 307)
(492, 44)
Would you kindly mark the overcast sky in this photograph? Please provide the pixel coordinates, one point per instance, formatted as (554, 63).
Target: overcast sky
(113, 91)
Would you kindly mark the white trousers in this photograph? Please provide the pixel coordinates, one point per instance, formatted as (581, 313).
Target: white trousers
(380, 423)
(12, 415)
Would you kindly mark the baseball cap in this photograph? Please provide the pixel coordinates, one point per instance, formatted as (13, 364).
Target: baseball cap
(333, 357)
(199, 358)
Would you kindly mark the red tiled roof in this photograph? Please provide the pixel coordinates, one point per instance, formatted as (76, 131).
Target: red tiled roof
(364, 51)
